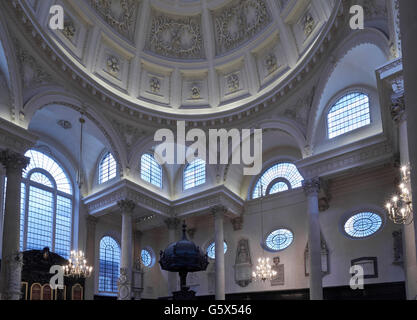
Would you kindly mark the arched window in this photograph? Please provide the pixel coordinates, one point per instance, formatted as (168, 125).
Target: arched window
(107, 169)
(279, 239)
(150, 170)
(211, 250)
(363, 224)
(46, 206)
(109, 265)
(348, 113)
(280, 177)
(194, 174)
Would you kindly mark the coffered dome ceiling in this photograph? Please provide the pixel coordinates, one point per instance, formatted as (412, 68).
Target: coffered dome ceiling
(188, 56)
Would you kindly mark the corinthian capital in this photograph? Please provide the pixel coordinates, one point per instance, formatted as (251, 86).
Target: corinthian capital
(172, 223)
(218, 211)
(13, 160)
(126, 206)
(311, 186)
(398, 108)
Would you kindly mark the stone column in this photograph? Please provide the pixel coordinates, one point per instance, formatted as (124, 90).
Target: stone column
(409, 242)
(11, 262)
(172, 225)
(90, 256)
(218, 213)
(408, 24)
(311, 188)
(125, 280)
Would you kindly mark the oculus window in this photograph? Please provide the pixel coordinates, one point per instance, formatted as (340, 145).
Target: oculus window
(109, 265)
(150, 170)
(348, 113)
(146, 258)
(107, 169)
(363, 224)
(194, 174)
(279, 239)
(278, 178)
(211, 250)
(46, 206)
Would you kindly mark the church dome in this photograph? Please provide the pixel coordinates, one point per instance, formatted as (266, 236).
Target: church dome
(179, 58)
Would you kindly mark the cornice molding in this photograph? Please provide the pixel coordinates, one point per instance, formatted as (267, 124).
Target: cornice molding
(366, 152)
(15, 138)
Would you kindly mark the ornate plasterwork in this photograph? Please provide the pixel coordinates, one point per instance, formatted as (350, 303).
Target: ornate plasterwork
(119, 14)
(154, 85)
(69, 29)
(176, 37)
(238, 23)
(113, 65)
(233, 83)
(308, 24)
(32, 74)
(271, 63)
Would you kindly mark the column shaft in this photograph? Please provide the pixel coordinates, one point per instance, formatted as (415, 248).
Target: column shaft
(219, 254)
(311, 188)
(11, 262)
(125, 280)
(408, 22)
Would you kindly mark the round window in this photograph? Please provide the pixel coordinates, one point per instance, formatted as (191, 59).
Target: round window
(363, 224)
(146, 257)
(211, 250)
(279, 239)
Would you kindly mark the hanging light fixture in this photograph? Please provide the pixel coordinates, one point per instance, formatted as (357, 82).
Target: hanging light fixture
(77, 266)
(400, 209)
(263, 269)
(79, 178)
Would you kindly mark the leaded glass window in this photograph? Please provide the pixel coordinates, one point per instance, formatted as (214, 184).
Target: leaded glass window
(348, 113)
(195, 174)
(150, 170)
(363, 224)
(280, 177)
(107, 169)
(146, 258)
(46, 206)
(211, 250)
(109, 265)
(279, 239)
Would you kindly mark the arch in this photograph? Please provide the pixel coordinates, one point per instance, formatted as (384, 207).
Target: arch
(353, 40)
(56, 96)
(109, 264)
(46, 200)
(286, 172)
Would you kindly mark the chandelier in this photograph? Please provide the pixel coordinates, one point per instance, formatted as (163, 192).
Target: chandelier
(263, 269)
(400, 209)
(77, 266)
